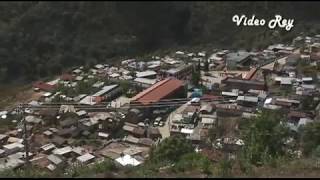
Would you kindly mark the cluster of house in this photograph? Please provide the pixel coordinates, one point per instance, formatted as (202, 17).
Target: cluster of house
(239, 84)
(64, 137)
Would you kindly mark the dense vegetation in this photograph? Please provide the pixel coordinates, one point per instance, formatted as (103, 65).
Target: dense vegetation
(311, 138)
(265, 137)
(40, 39)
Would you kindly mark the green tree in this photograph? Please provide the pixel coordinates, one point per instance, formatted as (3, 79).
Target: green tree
(214, 132)
(195, 78)
(264, 137)
(308, 103)
(225, 168)
(171, 149)
(31, 172)
(193, 161)
(124, 86)
(310, 137)
(79, 170)
(316, 152)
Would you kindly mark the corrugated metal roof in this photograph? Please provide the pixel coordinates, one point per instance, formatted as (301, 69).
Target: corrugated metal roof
(229, 93)
(237, 56)
(63, 150)
(145, 74)
(105, 89)
(178, 69)
(145, 81)
(48, 146)
(86, 157)
(55, 159)
(286, 81)
(307, 79)
(13, 145)
(158, 91)
(247, 98)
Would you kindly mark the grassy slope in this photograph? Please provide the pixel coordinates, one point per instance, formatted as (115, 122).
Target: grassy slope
(11, 94)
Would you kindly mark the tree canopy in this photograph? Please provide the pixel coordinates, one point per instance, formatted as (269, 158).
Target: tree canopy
(311, 137)
(171, 149)
(265, 137)
(40, 39)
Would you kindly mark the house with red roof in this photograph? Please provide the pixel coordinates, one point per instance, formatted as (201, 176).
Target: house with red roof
(165, 89)
(67, 77)
(40, 85)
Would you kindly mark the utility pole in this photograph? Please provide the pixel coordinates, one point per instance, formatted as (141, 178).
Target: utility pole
(25, 133)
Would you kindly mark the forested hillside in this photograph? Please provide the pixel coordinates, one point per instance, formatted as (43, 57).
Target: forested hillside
(38, 39)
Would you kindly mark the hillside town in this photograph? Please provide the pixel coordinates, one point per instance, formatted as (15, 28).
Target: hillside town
(120, 111)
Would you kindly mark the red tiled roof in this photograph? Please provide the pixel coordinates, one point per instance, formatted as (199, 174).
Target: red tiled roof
(158, 91)
(67, 77)
(250, 74)
(43, 86)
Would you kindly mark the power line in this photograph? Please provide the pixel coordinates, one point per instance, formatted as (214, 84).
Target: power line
(112, 108)
(129, 105)
(131, 102)
(25, 133)
(110, 102)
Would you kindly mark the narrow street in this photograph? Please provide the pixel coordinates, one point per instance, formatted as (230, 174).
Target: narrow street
(165, 130)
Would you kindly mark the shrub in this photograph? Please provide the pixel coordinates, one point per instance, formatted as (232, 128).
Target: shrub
(171, 149)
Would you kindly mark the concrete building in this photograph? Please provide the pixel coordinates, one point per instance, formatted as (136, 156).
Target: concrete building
(244, 85)
(181, 72)
(237, 60)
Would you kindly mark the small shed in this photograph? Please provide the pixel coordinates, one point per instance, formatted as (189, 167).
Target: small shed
(48, 133)
(127, 160)
(55, 159)
(48, 147)
(63, 151)
(86, 158)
